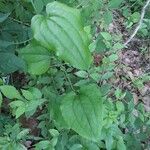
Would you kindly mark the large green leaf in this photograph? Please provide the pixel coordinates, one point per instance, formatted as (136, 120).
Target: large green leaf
(84, 112)
(37, 59)
(9, 62)
(63, 32)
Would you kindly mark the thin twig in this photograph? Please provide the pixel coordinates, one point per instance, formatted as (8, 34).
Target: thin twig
(22, 42)
(20, 22)
(139, 24)
(68, 78)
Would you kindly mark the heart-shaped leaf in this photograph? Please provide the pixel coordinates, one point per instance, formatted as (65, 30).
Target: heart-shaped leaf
(62, 31)
(84, 112)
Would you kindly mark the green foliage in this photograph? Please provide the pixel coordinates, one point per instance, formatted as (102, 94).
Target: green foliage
(13, 135)
(84, 112)
(69, 46)
(73, 102)
(10, 92)
(37, 59)
(10, 63)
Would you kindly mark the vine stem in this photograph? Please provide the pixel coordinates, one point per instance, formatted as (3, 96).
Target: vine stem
(139, 24)
(66, 75)
(20, 22)
(22, 42)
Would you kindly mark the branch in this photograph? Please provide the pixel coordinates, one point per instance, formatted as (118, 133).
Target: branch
(20, 22)
(139, 24)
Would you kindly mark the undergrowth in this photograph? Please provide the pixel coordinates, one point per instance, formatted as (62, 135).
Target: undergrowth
(68, 81)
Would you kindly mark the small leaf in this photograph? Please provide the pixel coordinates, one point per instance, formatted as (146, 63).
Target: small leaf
(19, 111)
(106, 36)
(109, 142)
(76, 147)
(36, 92)
(107, 75)
(22, 134)
(114, 4)
(96, 76)
(27, 94)
(120, 106)
(82, 74)
(43, 145)
(113, 57)
(54, 132)
(118, 46)
(32, 106)
(100, 45)
(108, 17)
(19, 146)
(38, 5)
(135, 17)
(16, 103)
(84, 112)
(121, 144)
(3, 16)
(10, 92)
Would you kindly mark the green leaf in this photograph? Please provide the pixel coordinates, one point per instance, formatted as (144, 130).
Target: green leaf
(135, 17)
(27, 94)
(100, 45)
(37, 59)
(3, 16)
(16, 103)
(1, 98)
(62, 31)
(84, 112)
(82, 74)
(113, 57)
(76, 147)
(22, 134)
(20, 111)
(55, 112)
(5, 44)
(106, 36)
(10, 63)
(38, 5)
(118, 46)
(42, 145)
(107, 75)
(19, 146)
(54, 132)
(95, 76)
(32, 106)
(108, 17)
(113, 4)
(36, 93)
(121, 144)
(120, 106)
(10, 92)
(109, 142)
(18, 107)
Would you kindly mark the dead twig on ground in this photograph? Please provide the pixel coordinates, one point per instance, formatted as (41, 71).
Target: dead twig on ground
(139, 24)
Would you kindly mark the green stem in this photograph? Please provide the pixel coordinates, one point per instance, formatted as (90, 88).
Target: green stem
(67, 77)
